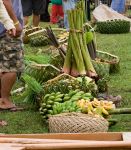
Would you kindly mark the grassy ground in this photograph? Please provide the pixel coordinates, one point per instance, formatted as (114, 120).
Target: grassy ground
(29, 121)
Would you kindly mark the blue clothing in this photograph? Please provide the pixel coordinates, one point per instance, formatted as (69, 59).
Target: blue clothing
(68, 5)
(18, 11)
(118, 5)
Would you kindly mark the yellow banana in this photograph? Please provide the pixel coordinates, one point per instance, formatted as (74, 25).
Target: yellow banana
(104, 111)
(98, 111)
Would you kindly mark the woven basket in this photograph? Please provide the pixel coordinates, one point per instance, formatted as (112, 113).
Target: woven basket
(111, 60)
(77, 123)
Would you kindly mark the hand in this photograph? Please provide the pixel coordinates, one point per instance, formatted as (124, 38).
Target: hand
(18, 30)
(12, 32)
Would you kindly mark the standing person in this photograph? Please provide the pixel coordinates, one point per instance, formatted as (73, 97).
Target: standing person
(35, 7)
(11, 54)
(45, 17)
(68, 5)
(118, 5)
(56, 11)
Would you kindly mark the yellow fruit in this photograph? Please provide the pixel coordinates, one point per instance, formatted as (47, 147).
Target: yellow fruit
(104, 111)
(95, 102)
(98, 111)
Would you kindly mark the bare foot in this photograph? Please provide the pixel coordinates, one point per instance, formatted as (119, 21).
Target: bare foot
(6, 103)
(92, 74)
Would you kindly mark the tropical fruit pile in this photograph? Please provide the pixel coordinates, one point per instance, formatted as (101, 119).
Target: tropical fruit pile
(96, 107)
(74, 101)
(49, 100)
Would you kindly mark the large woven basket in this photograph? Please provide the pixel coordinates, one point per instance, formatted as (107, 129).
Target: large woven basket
(77, 123)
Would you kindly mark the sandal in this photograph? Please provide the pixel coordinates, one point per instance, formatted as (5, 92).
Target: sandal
(12, 109)
(3, 123)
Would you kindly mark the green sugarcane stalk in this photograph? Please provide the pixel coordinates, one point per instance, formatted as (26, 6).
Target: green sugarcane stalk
(74, 71)
(120, 111)
(68, 59)
(86, 56)
(82, 41)
(81, 5)
(75, 45)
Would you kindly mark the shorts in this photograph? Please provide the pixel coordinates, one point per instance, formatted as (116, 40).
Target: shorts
(11, 54)
(36, 7)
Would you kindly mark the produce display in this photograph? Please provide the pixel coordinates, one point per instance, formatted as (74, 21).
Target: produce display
(32, 89)
(77, 61)
(39, 41)
(74, 101)
(39, 59)
(49, 101)
(113, 26)
(28, 31)
(111, 60)
(96, 107)
(70, 81)
(42, 72)
(64, 83)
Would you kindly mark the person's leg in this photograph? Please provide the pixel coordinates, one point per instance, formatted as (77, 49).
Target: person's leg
(26, 20)
(54, 11)
(11, 63)
(36, 20)
(27, 10)
(60, 11)
(67, 5)
(38, 7)
(7, 82)
(0, 83)
(45, 17)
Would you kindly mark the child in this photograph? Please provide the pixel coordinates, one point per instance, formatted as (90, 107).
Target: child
(6, 20)
(57, 11)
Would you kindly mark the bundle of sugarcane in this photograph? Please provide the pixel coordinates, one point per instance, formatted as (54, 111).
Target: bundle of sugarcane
(53, 40)
(89, 34)
(77, 60)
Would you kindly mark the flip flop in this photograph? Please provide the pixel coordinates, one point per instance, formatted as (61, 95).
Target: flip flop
(12, 109)
(16, 108)
(3, 123)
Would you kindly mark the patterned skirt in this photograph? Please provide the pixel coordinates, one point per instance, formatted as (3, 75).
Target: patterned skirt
(11, 54)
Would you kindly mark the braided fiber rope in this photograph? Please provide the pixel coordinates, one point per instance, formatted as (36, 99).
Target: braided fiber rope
(77, 123)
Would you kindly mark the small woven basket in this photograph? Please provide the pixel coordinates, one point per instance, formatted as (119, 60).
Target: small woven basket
(112, 60)
(77, 123)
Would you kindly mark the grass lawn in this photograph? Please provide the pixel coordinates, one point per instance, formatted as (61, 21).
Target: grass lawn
(29, 121)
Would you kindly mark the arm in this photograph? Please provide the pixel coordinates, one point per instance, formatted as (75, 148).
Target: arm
(5, 19)
(9, 7)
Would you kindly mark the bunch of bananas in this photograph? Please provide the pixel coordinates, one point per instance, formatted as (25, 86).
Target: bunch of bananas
(86, 106)
(66, 107)
(47, 103)
(55, 103)
(76, 95)
(96, 107)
